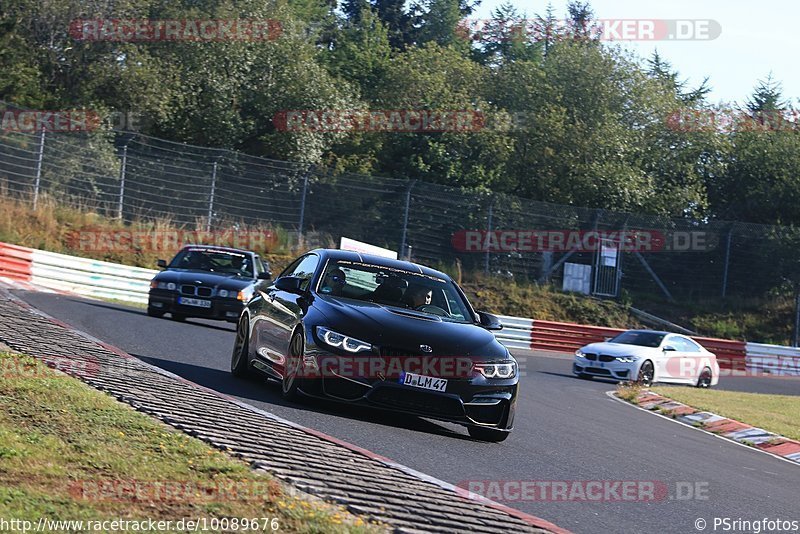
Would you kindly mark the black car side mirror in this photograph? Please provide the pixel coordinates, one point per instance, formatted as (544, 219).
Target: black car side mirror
(162, 263)
(265, 275)
(290, 284)
(669, 348)
(489, 321)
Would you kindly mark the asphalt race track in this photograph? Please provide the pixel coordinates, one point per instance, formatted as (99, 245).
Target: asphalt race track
(566, 430)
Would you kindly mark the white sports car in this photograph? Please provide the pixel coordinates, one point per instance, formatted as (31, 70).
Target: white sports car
(647, 356)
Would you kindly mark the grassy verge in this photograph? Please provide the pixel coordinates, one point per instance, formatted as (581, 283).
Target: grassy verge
(776, 413)
(69, 452)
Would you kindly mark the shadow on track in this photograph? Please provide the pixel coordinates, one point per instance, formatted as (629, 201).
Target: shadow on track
(268, 391)
(136, 311)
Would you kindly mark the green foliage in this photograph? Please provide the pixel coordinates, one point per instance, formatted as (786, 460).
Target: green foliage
(568, 118)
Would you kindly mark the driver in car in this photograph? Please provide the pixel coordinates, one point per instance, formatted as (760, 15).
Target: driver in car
(420, 296)
(333, 283)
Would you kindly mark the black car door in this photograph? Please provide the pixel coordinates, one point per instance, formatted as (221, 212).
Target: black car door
(282, 310)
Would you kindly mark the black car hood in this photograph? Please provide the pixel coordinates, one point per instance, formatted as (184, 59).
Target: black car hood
(405, 330)
(205, 278)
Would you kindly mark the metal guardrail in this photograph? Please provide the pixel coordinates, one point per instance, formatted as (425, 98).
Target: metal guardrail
(71, 274)
(773, 359)
(101, 279)
(530, 334)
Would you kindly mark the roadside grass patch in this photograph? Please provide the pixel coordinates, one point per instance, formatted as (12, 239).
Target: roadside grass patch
(64, 444)
(629, 391)
(775, 413)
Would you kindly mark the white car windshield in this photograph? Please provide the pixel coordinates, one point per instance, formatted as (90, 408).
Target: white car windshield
(642, 339)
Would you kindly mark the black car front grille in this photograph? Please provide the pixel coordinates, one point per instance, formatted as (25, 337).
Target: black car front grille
(607, 358)
(418, 401)
(198, 291)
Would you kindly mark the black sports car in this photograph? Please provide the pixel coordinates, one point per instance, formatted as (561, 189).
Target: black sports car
(206, 281)
(379, 332)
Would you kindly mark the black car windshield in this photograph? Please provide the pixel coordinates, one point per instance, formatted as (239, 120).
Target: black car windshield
(394, 287)
(213, 260)
(642, 339)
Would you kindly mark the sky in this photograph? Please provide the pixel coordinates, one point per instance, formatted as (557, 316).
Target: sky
(757, 38)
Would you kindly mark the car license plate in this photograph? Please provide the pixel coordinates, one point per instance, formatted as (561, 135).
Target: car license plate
(200, 303)
(424, 382)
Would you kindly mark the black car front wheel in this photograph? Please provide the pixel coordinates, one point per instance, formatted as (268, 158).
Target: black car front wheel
(239, 364)
(291, 370)
(487, 434)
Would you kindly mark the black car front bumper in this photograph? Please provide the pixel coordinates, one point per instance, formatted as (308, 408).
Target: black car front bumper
(224, 309)
(471, 401)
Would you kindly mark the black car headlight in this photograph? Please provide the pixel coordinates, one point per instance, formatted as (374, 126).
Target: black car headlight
(504, 369)
(341, 341)
(170, 286)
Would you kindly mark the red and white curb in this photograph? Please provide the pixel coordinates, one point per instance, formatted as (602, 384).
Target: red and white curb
(740, 433)
(528, 518)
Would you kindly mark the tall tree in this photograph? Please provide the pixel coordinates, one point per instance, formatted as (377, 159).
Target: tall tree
(507, 36)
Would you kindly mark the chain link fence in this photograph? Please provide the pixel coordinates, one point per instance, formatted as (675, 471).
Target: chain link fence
(135, 177)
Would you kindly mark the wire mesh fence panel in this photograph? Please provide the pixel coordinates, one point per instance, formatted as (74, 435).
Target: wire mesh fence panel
(137, 177)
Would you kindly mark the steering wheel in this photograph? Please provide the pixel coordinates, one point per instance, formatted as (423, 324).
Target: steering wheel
(433, 309)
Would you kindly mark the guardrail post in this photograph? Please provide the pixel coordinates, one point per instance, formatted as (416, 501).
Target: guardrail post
(122, 181)
(211, 196)
(38, 169)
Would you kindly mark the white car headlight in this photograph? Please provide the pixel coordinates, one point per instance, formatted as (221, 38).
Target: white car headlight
(335, 339)
(626, 359)
(504, 369)
(579, 353)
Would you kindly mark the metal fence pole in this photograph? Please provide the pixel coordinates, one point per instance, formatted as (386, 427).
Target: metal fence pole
(727, 262)
(796, 334)
(488, 240)
(122, 181)
(38, 169)
(211, 196)
(302, 210)
(403, 243)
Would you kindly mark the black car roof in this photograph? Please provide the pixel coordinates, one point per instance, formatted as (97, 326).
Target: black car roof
(337, 254)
